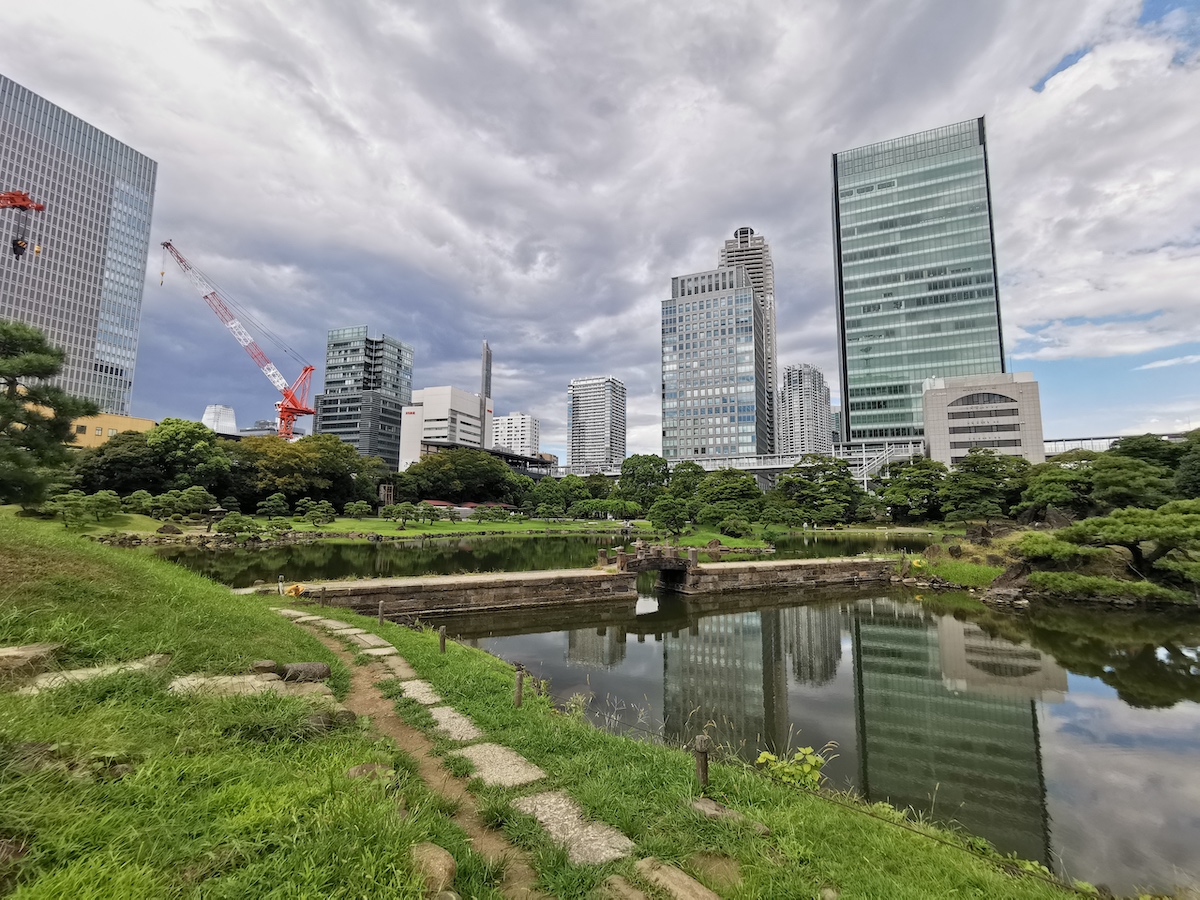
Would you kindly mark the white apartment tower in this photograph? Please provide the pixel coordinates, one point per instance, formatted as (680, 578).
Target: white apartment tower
(747, 249)
(517, 432)
(805, 416)
(595, 424)
(81, 280)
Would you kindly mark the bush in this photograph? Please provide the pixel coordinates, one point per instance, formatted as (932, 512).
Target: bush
(734, 527)
(1069, 584)
(1042, 546)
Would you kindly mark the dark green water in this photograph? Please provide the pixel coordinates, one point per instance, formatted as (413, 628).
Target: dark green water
(331, 560)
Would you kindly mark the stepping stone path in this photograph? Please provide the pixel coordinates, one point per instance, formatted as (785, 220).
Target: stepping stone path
(673, 882)
(240, 685)
(495, 764)
(586, 843)
(26, 660)
(70, 676)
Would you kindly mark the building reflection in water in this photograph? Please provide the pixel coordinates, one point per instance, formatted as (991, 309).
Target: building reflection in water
(600, 648)
(947, 721)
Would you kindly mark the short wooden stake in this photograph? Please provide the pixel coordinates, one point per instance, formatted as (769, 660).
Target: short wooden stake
(703, 742)
(280, 585)
(442, 639)
(520, 688)
(380, 612)
(323, 601)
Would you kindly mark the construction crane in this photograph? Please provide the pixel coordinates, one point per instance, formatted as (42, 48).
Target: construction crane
(295, 396)
(24, 205)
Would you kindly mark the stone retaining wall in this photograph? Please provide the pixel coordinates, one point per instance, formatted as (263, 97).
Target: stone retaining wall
(742, 576)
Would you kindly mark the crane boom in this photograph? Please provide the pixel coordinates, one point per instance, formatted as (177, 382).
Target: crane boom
(295, 396)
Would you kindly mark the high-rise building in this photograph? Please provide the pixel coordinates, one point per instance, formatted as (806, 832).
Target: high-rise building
(716, 399)
(518, 432)
(595, 424)
(485, 396)
(368, 382)
(747, 249)
(443, 417)
(916, 274)
(219, 418)
(805, 416)
(81, 282)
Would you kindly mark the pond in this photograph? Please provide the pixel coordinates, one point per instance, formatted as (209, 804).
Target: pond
(1069, 737)
(345, 559)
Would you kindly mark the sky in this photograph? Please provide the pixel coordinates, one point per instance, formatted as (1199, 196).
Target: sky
(534, 172)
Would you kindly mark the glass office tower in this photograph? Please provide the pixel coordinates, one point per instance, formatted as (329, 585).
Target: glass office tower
(916, 274)
(81, 280)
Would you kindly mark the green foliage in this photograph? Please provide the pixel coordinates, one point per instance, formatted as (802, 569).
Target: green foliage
(983, 484)
(490, 514)
(357, 509)
(803, 768)
(600, 509)
(685, 479)
(401, 512)
(464, 475)
(104, 505)
(427, 512)
(1122, 481)
(35, 418)
(320, 513)
(71, 507)
(912, 490)
(1065, 485)
(1070, 584)
(1187, 476)
(736, 527)
(599, 487)
(189, 454)
(821, 490)
(237, 523)
(774, 514)
(1038, 545)
(643, 479)
(549, 494)
(274, 507)
(711, 515)
(124, 463)
(669, 514)
(138, 502)
(1150, 448)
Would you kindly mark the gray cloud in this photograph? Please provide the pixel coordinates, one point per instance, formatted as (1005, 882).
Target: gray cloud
(534, 172)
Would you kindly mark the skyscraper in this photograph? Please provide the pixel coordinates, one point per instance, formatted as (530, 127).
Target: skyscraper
(368, 382)
(81, 283)
(804, 412)
(752, 251)
(485, 395)
(916, 274)
(715, 367)
(518, 432)
(595, 424)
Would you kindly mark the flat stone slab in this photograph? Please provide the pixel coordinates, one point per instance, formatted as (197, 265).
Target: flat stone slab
(382, 652)
(399, 667)
(241, 685)
(291, 613)
(305, 620)
(454, 725)
(617, 888)
(331, 624)
(673, 882)
(586, 843)
(421, 691)
(53, 680)
(348, 631)
(366, 639)
(28, 659)
(496, 764)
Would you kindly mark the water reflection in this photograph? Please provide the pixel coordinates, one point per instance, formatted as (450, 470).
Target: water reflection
(966, 717)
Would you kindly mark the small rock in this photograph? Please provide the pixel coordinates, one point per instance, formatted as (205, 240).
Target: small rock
(828, 893)
(713, 810)
(309, 671)
(723, 872)
(168, 528)
(331, 719)
(617, 888)
(436, 866)
(26, 660)
(263, 666)
(372, 771)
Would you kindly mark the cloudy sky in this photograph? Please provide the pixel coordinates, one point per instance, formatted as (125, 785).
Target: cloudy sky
(533, 172)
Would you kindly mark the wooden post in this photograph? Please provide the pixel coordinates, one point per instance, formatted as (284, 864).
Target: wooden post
(280, 585)
(703, 742)
(322, 600)
(380, 612)
(517, 698)
(442, 639)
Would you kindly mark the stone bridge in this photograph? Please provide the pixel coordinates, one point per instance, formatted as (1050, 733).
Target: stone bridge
(672, 563)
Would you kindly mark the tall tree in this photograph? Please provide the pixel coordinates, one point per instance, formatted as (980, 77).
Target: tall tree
(685, 478)
(822, 490)
(643, 479)
(1119, 481)
(1150, 448)
(35, 418)
(983, 484)
(190, 454)
(598, 486)
(124, 463)
(911, 490)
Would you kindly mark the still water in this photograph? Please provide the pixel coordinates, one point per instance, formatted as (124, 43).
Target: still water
(1068, 736)
(331, 560)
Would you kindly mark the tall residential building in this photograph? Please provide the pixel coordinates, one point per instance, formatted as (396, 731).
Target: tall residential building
(916, 274)
(716, 398)
(805, 416)
(443, 417)
(368, 382)
(518, 432)
(81, 281)
(595, 424)
(752, 251)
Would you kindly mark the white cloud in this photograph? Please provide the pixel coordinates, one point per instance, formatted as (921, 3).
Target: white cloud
(1175, 361)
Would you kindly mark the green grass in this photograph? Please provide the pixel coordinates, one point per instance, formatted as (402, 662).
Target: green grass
(645, 789)
(958, 571)
(702, 536)
(1069, 584)
(445, 528)
(220, 798)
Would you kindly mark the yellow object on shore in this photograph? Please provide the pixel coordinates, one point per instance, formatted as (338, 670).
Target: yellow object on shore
(295, 590)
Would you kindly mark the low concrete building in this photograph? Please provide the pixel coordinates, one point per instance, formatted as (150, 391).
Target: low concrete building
(93, 431)
(1001, 412)
(443, 415)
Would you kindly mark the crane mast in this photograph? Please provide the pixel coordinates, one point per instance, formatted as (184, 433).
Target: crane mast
(295, 396)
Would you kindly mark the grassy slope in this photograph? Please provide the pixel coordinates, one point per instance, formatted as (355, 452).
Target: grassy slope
(229, 798)
(645, 789)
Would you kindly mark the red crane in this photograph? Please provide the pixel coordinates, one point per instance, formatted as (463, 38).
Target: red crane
(295, 396)
(24, 205)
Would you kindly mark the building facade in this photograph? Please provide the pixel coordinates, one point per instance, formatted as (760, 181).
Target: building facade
(368, 382)
(916, 274)
(446, 416)
(81, 281)
(518, 432)
(596, 428)
(751, 250)
(485, 396)
(219, 418)
(805, 415)
(93, 431)
(716, 399)
(999, 412)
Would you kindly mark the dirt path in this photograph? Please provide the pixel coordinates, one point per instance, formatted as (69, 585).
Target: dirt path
(365, 699)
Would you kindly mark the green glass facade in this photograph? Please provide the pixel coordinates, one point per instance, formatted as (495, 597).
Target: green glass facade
(916, 274)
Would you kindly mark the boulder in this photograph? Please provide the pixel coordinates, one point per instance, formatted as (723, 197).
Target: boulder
(168, 528)
(1056, 518)
(28, 659)
(955, 550)
(305, 671)
(436, 865)
(265, 666)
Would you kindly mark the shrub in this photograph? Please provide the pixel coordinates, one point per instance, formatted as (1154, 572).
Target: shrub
(1039, 545)
(734, 527)
(1068, 584)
